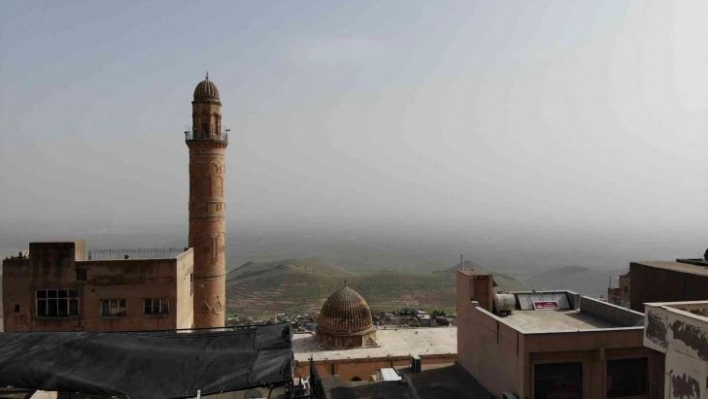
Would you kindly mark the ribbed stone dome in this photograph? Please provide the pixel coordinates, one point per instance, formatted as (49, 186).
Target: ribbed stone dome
(206, 91)
(345, 313)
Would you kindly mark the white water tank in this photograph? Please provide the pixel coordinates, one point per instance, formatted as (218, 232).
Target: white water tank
(504, 304)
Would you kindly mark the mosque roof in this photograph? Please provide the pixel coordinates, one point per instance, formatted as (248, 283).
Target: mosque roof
(345, 313)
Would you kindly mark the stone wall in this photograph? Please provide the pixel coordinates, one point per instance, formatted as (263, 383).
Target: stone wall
(363, 368)
(680, 330)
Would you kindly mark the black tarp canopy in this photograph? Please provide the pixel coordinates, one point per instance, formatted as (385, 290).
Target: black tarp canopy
(165, 364)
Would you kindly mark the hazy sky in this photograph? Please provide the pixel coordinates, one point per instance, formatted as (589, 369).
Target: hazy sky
(545, 118)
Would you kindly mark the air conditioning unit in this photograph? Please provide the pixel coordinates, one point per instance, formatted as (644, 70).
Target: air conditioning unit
(508, 395)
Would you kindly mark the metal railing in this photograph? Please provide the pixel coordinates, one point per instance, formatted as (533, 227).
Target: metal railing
(220, 135)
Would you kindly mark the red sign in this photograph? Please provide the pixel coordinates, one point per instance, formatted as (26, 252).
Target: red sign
(544, 305)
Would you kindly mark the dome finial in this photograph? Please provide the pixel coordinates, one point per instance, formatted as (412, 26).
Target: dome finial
(345, 283)
(207, 75)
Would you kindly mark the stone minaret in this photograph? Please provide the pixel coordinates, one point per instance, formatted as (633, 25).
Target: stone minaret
(207, 143)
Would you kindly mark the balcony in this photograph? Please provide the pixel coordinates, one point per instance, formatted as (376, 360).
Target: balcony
(220, 135)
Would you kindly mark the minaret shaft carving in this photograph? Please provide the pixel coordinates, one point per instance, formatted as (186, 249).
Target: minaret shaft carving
(207, 208)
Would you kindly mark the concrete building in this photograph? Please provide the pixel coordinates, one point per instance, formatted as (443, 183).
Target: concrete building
(682, 280)
(207, 142)
(61, 287)
(680, 331)
(552, 344)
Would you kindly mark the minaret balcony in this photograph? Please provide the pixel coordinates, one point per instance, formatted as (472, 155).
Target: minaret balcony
(221, 135)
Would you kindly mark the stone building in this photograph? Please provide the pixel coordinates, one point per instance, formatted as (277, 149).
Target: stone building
(553, 344)
(207, 142)
(348, 345)
(60, 286)
(345, 321)
(395, 347)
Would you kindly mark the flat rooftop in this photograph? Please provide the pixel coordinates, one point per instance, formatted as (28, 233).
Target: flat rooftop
(677, 266)
(134, 253)
(555, 320)
(441, 381)
(566, 311)
(391, 342)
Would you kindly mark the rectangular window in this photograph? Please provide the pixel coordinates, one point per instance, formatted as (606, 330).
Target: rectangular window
(156, 306)
(558, 380)
(57, 303)
(627, 377)
(80, 274)
(113, 308)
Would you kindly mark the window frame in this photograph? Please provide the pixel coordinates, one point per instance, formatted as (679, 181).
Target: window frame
(156, 306)
(54, 303)
(113, 307)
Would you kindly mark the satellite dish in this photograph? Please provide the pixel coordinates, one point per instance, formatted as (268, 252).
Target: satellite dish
(252, 394)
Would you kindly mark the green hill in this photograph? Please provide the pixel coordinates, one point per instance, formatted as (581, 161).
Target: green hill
(302, 285)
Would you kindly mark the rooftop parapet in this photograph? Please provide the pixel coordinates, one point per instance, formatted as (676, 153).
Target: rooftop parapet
(135, 253)
(566, 311)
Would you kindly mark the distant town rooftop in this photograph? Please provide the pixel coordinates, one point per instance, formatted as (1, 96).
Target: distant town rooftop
(391, 342)
(135, 253)
(691, 266)
(566, 311)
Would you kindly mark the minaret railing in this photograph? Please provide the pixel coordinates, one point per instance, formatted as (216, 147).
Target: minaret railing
(220, 135)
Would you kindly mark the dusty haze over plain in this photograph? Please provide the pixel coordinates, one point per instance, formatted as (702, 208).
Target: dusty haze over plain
(537, 130)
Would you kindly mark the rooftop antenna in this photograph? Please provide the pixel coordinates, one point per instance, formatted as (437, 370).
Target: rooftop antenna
(462, 261)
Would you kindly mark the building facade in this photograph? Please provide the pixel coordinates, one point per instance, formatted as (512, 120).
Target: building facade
(680, 331)
(682, 280)
(553, 344)
(207, 142)
(57, 287)
(620, 295)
